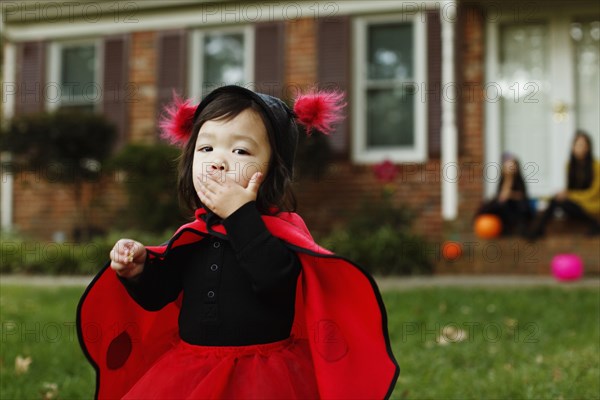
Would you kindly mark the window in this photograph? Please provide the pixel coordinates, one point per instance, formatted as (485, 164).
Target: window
(73, 76)
(220, 58)
(390, 77)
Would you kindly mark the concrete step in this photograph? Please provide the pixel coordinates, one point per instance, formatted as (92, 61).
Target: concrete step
(515, 256)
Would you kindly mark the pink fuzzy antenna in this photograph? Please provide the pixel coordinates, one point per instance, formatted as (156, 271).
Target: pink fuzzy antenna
(319, 110)
(176, 126)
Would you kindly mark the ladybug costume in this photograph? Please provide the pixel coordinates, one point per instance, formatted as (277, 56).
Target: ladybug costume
(210, 317)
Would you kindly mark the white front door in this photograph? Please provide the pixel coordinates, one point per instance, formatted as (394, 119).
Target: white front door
(543, 83)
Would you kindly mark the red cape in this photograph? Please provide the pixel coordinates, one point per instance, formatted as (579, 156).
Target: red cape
(338, 309)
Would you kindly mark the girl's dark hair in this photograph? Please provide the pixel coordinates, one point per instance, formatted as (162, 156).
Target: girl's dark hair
(275, 193)
(518, 181)
(580, 172)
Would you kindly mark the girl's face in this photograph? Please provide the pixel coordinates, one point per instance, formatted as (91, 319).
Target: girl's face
(509, 167)
(235, 149)
(580, 148)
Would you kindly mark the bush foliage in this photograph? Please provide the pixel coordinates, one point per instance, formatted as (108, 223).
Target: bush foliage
(151, 184)
(26, 256)
(69, 146)
(379, 238)
(73, 144)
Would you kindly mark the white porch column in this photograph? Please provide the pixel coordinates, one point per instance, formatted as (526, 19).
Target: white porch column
(9, 86)
(449, 157)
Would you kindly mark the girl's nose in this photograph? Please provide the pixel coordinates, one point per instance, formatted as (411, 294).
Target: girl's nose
(218, 165)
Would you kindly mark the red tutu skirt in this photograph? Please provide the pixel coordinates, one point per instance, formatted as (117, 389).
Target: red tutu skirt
(279, 370)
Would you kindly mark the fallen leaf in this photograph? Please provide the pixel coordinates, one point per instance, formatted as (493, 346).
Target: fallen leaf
(451, 334)
(556, 375)
(22, 364)
(511, 322)
(539, 359)
(49, 391)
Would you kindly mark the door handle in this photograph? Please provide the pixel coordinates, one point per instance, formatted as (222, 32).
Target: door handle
(560, 111)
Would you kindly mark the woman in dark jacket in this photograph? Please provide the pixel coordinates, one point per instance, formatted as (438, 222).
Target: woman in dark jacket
(511, 203)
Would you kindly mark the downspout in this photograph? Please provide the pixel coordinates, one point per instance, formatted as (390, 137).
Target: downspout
(9, 87)
(450, 171)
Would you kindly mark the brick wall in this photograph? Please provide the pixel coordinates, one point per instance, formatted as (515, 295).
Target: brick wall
(324, 203)
(329, 201)
(57, 213)
(142, 76)
(300, 55)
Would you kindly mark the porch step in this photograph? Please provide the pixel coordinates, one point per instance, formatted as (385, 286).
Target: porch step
(565, 227)
(515, 256)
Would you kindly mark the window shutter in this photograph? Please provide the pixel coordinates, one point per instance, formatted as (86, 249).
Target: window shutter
(434, 81)
(117, 92)
(171, 64)
(269, 56)
(30, 87)
(333, 71)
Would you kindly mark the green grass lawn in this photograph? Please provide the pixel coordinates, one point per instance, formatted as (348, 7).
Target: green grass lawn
(539, 343)
(40, 323)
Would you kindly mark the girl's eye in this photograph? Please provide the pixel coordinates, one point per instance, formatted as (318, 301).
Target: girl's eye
(205, 148)
(241, 152)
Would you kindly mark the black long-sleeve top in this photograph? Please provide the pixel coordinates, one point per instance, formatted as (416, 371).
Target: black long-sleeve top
(238, 289)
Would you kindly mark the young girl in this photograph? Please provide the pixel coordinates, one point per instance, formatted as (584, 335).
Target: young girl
(511, 203)
(581, 200)
(241, 302)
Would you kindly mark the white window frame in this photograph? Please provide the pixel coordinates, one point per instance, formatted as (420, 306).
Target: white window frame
(52, 91)
(398, 154)
(196, 51)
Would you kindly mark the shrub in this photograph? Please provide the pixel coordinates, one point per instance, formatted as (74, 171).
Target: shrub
(379, 238)
(313, 156)
(151, 184)
(19, 255)
(69, 146)
(73, 142)
(27, 256)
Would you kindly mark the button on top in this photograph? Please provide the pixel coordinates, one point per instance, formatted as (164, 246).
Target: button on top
(210, 294)
(216, 245)
(214, 267)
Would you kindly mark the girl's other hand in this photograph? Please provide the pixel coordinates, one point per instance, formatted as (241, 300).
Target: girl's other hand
(127, 258)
